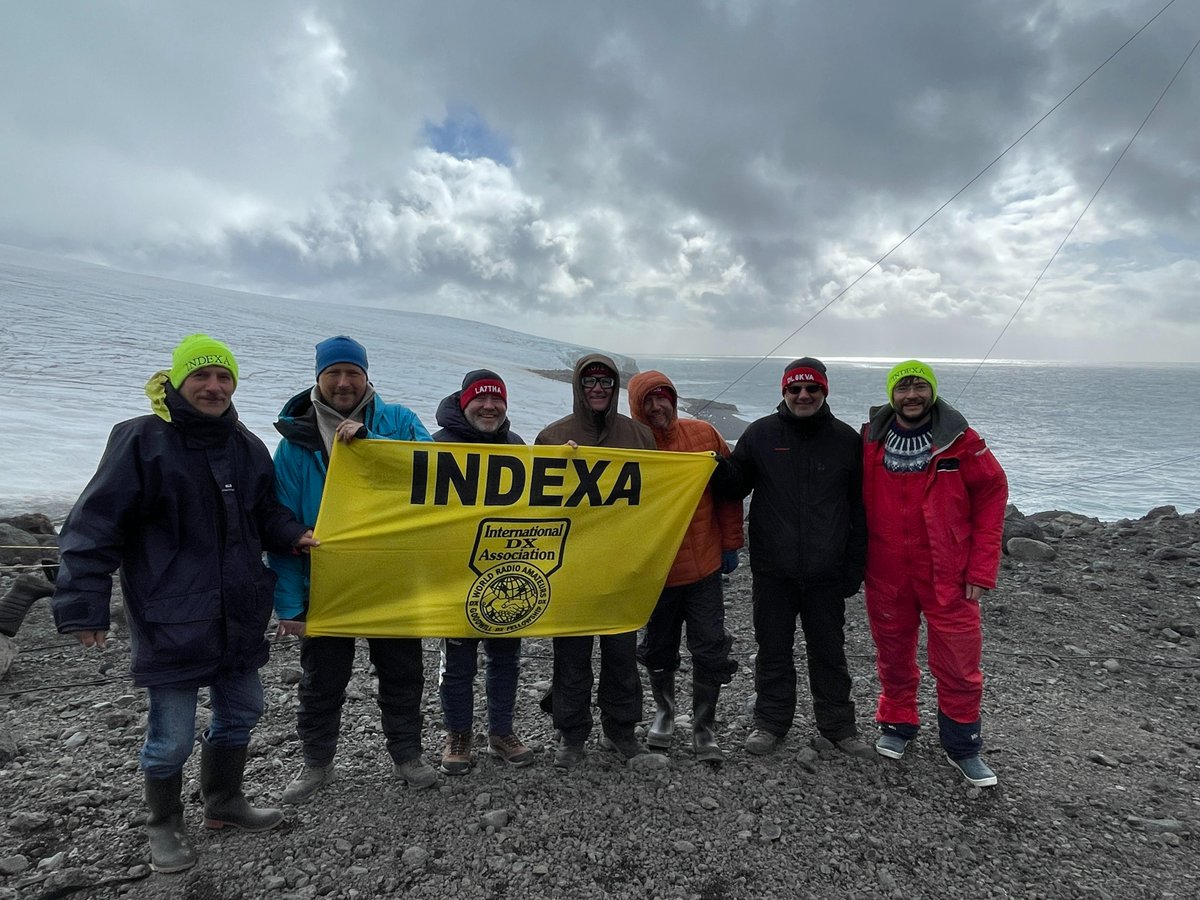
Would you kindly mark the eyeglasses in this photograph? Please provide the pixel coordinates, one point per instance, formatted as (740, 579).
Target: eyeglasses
(795, 389)
(604, 381)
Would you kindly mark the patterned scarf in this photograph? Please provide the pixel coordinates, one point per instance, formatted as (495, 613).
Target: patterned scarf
(907, 450)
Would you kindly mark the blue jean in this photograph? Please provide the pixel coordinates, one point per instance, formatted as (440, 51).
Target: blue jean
(460, 662)
(237, 705)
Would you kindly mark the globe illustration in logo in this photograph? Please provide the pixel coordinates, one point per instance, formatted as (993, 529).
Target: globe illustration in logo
(508, 599)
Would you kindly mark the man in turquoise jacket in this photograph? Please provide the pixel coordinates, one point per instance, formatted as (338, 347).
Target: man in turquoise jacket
(341, 406)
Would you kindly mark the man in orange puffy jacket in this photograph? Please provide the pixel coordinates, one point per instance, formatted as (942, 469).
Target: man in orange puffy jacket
(935, 498)
(693, 590)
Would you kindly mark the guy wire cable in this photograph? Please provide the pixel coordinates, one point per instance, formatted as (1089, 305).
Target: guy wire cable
(933, 214)
(1078, 219)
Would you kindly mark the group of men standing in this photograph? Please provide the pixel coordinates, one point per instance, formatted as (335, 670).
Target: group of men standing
(915, 506)
(186, 500)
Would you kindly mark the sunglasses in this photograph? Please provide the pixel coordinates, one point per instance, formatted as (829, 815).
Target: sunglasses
(795, 389)
(604, 381)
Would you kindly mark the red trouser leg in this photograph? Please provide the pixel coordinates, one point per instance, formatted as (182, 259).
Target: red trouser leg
(955, 652)
(895, 624)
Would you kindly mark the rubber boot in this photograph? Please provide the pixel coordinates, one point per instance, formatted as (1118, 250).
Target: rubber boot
(662, 687)
(704, 713)
(221, 770)
(25, 591)
(170, 849)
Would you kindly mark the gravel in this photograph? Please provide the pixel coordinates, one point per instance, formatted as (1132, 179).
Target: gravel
(1092, 722)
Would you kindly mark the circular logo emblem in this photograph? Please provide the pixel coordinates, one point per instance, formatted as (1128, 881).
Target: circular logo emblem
(507, 598)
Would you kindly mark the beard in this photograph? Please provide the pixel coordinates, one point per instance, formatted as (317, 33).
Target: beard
(912, 416)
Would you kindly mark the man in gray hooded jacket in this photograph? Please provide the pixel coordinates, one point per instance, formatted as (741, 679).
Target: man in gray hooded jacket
(595, 422)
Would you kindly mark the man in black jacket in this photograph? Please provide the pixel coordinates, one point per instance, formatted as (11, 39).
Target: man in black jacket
(184, 503)
(478, 414)
(807, 554)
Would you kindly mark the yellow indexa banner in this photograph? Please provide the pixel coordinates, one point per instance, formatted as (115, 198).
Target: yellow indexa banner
(477, 540)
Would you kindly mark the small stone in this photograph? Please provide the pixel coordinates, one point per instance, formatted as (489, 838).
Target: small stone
(484, 800)
(1156, 826)
(78, 739)
(1030, 550)
(1112, 665)
(8, 654)
(684, 847)
(415, 857)
(1103, 759)
(119, 718)
(13, 865)
(649, 762)
(290, 675)
(540, 869)
(496, 818)
(52, 863)
(1171, 635)
(68, 881)
(24, 822)
(1051, 588)
(1171, 553)
(770, 831)
(807, 759)
(274, 883)
(709, 803)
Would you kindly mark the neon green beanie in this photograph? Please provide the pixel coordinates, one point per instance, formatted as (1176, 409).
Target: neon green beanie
(197, 351)
(911, 368)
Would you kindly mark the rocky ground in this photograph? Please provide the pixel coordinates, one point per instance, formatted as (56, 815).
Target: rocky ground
(1092, 718)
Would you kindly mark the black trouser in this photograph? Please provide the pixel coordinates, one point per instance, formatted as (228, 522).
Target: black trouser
(702, 606)
(620, 693)
(328, 663)
(822, 613)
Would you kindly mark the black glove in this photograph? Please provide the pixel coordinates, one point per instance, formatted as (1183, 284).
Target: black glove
(729, 561)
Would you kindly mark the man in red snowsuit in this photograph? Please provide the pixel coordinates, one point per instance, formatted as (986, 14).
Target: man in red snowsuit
(935, 498)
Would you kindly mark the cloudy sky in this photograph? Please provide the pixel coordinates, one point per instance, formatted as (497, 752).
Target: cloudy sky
(650, 177)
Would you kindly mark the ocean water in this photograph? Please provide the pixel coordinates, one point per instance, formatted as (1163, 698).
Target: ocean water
(1111, 441)
(78, 343)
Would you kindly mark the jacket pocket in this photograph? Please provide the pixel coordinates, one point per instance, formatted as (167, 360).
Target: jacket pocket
(184, 630)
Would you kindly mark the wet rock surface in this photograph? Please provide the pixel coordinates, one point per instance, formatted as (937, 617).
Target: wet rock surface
(1092, 719)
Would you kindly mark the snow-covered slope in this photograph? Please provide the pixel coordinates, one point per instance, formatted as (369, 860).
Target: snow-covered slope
(78, 342)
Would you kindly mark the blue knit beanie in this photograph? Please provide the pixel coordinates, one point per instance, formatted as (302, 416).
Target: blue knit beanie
(340, 349)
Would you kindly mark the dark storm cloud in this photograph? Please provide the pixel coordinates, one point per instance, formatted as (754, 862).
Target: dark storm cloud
(705, 175)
